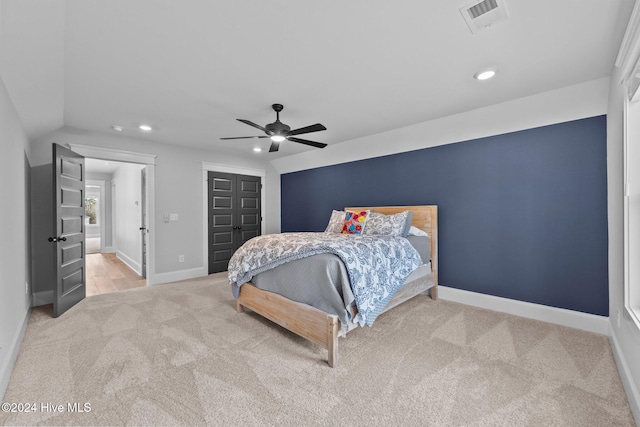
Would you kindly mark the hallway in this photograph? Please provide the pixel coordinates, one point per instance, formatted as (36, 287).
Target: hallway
(106, 274)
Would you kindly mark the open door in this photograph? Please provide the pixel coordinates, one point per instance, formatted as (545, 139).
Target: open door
(68, 210)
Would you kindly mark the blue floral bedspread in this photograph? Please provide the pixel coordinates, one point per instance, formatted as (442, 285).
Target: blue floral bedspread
(377, 265)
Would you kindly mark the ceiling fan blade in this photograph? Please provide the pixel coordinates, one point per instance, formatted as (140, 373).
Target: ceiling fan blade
(274, 147)
(247, 122)
(245, 137)
(308, 129)
(307, 142)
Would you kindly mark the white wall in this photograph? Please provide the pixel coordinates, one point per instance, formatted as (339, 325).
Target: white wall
(14, 266)
(34, 67)
(127, 184)
(626, 337)
(178, 189)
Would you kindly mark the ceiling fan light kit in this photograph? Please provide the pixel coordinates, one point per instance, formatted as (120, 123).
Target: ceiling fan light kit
(278, 131)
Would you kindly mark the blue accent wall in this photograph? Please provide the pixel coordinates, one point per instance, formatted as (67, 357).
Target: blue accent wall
(521, 215)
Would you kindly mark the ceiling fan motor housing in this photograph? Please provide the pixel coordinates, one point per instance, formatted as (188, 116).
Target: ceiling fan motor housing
(277, 128)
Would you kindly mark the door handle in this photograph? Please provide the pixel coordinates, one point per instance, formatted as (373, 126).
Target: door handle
(237, 228)
(57, 239)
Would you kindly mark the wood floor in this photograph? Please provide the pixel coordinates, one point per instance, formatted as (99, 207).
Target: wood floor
(106, 273)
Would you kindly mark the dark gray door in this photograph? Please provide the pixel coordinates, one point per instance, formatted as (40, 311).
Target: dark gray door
(234, 215)
(68, 210)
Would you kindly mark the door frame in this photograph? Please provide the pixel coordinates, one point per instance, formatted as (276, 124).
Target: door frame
(149, 160)
(238, 170)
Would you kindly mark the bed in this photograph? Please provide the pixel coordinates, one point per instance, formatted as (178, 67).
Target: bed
(317, 321)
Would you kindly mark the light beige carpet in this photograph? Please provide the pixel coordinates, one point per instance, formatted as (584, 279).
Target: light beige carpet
(179, 354)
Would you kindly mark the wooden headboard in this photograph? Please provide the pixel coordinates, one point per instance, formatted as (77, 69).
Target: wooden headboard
(425, 218)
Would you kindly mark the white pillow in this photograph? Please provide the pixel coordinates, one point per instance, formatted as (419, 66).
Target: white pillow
(415, 231)
(386, 225)
(335, 222)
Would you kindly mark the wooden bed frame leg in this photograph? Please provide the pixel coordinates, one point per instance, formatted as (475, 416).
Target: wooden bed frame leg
(333, 341)
(434, 292)
(239, 307)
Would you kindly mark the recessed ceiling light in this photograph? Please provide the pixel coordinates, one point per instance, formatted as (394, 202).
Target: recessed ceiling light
(117, 128)
(485, 74)
(145, 128)
(257, 149)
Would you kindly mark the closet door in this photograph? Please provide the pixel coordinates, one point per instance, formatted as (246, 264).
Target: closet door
(234, 215)
(247, 212)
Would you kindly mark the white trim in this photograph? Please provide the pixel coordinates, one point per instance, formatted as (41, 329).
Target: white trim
(216, 167)
(219, 167)
(176, 276)
(12, 354)
(131, 263)
(633, 395)
(111, 154)
(558, 316)
(630, 298)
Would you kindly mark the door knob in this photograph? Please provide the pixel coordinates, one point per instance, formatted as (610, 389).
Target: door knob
(57, 239)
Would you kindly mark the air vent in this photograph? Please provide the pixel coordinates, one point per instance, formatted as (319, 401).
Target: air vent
(484, 13)
(482, 8)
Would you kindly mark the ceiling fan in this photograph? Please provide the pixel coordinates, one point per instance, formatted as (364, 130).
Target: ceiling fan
(278, 131)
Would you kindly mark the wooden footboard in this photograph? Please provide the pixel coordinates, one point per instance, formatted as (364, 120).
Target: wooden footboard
(299, 318)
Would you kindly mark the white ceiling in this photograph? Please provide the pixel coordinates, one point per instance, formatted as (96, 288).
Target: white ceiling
(101, 166)
(191, 67)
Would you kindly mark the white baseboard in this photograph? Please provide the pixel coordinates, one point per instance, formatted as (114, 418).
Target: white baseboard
(42, 298)
(633, 395)
(559, 316)
(175, 276)
(131, 263)
(10, 356)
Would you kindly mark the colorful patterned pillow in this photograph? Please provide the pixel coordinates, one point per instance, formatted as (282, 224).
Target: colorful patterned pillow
(354, 222)
(335, 222)
(387, 225)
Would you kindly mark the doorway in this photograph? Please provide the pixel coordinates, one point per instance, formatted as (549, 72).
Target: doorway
(115, 214)
(146, 204)
(94, 214)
